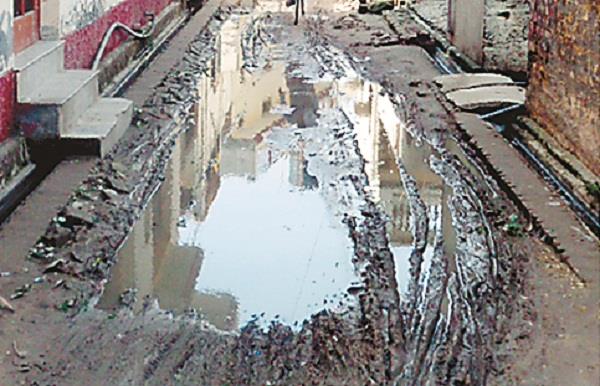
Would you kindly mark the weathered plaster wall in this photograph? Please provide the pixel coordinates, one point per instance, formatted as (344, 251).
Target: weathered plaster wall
(492, 33)
(77, 14)
(564, 91)
(6, 38)
(84, 25)
(466, 26)
(505, 35)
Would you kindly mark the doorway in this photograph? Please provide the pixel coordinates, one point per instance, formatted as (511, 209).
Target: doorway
(27, 23)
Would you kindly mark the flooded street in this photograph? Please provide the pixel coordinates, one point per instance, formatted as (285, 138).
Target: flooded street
(280, 216)
(248, 225)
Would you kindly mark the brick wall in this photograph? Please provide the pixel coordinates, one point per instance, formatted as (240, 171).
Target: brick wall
(564, 91)
(505, 35)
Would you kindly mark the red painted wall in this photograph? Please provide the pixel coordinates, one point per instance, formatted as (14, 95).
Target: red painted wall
(81, 46)
(7, 104)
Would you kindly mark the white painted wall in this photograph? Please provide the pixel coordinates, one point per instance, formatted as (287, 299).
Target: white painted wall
(6, 37)
(76, 14)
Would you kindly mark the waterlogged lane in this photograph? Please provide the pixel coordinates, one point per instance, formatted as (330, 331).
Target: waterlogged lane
(247, 225)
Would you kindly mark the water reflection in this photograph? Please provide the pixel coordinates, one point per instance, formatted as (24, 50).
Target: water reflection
(383, 140)
(240, 227)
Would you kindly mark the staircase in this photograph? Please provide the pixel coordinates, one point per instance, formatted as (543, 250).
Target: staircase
(65, 105)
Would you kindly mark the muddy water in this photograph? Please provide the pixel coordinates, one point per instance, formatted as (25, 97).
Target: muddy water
(245, 226)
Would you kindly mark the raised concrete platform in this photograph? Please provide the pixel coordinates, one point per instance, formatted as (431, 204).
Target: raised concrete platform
(37, 64)
(455, 82)
(581, 249)
(54, 103)
(487, 97)
(102, 125)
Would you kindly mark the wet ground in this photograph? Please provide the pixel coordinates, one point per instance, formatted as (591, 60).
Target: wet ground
(292, 222)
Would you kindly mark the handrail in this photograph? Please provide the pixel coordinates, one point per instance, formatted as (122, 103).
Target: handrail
(117, 25)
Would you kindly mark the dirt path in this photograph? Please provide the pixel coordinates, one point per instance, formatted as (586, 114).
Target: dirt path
(381, 153)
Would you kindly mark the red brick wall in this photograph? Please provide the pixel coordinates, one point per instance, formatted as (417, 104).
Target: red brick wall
(7, 103)
(564, 92)
(81, 46)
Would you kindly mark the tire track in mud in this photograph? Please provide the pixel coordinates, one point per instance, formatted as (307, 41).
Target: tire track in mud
(442, 333)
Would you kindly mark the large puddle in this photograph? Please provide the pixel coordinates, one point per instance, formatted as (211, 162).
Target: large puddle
(242, 229)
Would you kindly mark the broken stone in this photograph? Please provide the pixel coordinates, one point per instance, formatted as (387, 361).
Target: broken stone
(55, 266)
(5, 305)
(57, 236)
(118, 184)
(21, 291)
(487, 97)
(455, 82)
(79, 216)
(128, 298)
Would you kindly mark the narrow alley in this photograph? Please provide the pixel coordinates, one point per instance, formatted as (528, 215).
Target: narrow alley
(227, 198)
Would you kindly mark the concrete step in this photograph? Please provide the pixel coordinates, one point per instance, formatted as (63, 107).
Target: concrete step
(58, 102)
(102, 125)
(37, 64)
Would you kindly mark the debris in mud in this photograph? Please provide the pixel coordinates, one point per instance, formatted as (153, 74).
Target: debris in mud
(370, 334)
(21, 291)
(17, 352)
(128, 298)
(56, 266)
(5, 304)
(379, 6)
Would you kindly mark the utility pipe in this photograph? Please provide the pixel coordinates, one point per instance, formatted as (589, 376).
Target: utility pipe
(118, 25)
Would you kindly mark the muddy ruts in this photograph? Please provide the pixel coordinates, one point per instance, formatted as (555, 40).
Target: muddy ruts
(419, 225)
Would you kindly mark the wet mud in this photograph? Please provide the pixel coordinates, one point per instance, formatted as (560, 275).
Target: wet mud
(291, 222)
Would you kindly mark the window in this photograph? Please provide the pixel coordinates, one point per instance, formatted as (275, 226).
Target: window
(23, 6)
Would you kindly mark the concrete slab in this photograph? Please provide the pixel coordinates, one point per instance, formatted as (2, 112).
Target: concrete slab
(37, 64)
(455, 82)
(37, 53)
(487, 97)
(58, 88)
(580, 248)
(103, 124)
(58, 103)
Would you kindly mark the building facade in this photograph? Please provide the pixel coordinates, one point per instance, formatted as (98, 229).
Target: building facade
(564, 89)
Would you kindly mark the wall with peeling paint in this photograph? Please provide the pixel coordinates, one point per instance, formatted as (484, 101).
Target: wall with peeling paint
(493, 33)
(7, 79)
(564, 90)
(6, 38)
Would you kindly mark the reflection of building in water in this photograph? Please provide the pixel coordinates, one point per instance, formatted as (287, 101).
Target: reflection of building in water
(304, 100)
(298, 174)
(382, 140)
(153, 261)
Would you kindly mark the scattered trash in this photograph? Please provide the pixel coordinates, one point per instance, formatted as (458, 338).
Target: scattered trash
(18, 353)
(56, 266)
(21, 291)
(5, 305)
(514, 227)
